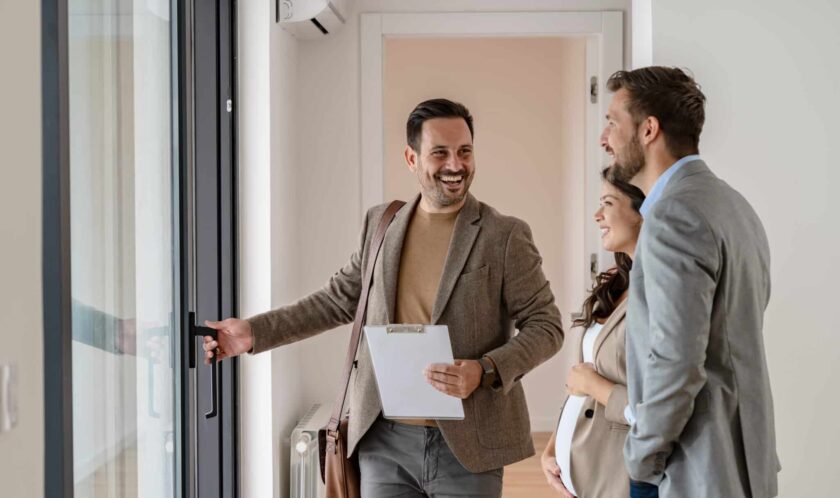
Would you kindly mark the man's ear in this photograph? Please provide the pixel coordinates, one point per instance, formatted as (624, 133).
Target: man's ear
(411, 158)
(649, 130)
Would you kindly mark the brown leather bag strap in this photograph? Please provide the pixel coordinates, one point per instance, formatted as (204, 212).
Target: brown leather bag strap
(361, 313)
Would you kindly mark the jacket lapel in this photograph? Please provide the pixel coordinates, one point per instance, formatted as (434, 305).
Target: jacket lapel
(616, 316)
(388, 263)
(463, 237)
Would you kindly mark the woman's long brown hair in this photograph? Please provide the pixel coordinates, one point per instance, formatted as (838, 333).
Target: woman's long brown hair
(610, 285)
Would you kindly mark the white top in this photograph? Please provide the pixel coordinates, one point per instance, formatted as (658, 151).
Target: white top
(571, 412)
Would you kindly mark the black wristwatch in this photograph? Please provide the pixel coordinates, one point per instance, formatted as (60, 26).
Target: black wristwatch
(489, 378)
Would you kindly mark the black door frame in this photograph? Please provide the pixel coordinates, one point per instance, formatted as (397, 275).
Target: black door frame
(58, 374)
(213, 240)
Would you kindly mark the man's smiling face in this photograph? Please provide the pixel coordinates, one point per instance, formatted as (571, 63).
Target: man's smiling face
(620, 139)
(445, 164)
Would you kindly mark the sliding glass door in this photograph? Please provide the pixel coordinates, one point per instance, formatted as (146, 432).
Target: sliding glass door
(139, 225)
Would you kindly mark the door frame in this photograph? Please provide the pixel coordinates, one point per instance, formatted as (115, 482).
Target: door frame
(56, 268)
(58, 333)
(604, 56)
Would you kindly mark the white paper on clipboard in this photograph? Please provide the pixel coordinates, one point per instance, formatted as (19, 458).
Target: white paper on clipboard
(400, 353)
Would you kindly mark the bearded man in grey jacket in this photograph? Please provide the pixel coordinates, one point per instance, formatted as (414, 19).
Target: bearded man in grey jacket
(700, 405)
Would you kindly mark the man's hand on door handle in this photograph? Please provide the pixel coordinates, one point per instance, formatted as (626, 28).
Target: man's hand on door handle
(235, 338)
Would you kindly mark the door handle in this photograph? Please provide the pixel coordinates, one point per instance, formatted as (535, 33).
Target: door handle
(200, 331)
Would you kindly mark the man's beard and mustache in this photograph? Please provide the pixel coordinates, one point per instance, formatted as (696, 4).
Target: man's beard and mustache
(439, 195)
(629, 161)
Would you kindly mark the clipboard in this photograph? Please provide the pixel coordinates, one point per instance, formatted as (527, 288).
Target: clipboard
(399, 354)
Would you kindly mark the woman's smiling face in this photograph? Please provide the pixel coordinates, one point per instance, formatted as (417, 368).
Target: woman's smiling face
(619, 222)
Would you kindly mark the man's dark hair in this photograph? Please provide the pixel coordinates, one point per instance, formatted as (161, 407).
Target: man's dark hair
(430, 109)
(669, 95)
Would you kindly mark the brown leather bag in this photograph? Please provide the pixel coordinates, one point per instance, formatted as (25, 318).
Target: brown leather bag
(339, 473)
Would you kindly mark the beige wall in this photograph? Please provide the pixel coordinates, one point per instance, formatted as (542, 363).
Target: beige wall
(527, 96)
(770, 72)
(21, 450)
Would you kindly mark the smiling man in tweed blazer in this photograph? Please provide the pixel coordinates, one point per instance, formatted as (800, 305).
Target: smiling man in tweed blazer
(446, 259)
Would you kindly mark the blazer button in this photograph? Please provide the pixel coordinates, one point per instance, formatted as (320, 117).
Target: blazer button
(589, 413)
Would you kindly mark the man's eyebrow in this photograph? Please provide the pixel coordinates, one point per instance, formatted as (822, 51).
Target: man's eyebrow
(444, 147)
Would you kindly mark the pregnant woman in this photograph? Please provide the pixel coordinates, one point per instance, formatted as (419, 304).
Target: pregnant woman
(584, 457)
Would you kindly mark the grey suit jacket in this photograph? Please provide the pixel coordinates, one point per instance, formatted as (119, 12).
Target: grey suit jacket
(697, 373)
(597, 461)
(492, 280)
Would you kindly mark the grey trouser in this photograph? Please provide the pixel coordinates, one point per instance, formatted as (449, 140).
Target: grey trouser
(400, 460)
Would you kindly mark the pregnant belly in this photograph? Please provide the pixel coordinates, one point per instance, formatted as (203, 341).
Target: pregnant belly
(563, 441)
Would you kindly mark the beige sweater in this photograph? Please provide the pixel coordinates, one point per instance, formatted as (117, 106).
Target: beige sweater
(421, 265)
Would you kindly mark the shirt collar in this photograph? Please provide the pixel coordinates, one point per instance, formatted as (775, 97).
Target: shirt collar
(662, 181)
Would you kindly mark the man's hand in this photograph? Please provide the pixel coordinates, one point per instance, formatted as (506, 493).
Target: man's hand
(459, 380)
(552, 474)
(580, 378)
(235, 338)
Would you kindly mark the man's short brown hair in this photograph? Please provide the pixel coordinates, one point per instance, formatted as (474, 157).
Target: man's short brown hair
(431, 109)
(669, 95)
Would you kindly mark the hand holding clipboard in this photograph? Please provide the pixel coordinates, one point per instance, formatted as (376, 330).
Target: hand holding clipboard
(401, 355)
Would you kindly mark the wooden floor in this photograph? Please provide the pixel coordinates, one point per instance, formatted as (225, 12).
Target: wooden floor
(525, 479)
(522, 480)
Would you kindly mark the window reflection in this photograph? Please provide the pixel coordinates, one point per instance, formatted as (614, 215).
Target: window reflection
(121, 247)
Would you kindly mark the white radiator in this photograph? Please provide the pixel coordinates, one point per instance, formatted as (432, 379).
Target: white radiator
(304, 464)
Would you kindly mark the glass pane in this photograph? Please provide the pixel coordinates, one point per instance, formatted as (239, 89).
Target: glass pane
(122, 205)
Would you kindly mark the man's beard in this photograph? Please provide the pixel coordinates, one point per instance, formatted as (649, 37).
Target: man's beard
(630, 161)
(439, 196)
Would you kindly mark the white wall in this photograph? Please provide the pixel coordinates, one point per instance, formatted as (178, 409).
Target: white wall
(270, 397)
(329, 212)
(769, 70)
(21, 450)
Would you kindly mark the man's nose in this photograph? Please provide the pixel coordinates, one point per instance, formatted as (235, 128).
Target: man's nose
(603, 138)
(455, 163)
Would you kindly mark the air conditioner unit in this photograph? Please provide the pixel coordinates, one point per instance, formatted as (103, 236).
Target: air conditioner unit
(304, 464)
(308, 19)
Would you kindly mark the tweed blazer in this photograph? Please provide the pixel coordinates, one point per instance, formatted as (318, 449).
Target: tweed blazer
(697, 374)
(492, 282)
(597, 457)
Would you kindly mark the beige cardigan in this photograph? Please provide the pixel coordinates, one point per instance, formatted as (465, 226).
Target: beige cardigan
(597, 460)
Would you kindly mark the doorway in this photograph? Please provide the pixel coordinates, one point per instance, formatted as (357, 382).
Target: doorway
(526, 96)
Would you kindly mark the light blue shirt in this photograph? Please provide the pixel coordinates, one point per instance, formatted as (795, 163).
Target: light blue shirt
(662, 181)
(651, 199)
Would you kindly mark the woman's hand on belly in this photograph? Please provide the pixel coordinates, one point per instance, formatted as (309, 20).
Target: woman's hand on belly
(584, 380)
(548, 462)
